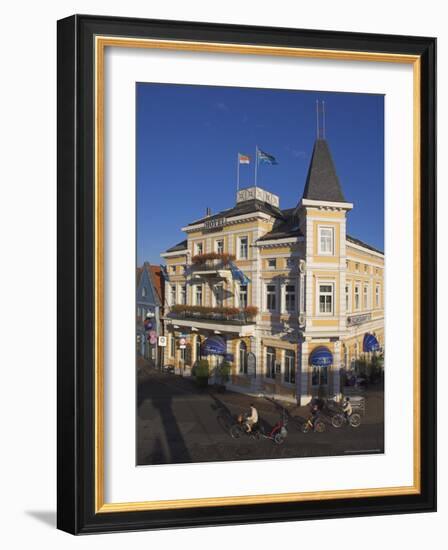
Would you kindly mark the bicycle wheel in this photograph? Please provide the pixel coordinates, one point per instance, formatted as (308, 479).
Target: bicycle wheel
(337, 420)
(319, 426)
(279, 439)
(236, 431)
(355, 420)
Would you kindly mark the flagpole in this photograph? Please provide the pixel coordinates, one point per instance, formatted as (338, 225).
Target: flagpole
(238, 172)
(256, 163)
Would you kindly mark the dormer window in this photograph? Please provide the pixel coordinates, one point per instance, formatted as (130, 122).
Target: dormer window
(144, 292)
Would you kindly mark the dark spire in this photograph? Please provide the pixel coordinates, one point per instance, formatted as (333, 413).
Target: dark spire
(322, 182)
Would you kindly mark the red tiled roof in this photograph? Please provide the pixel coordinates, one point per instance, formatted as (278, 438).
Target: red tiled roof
(157, 280)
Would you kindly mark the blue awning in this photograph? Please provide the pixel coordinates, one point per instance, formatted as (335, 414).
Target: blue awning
(321, 357)
(215, 345)
(370, 343)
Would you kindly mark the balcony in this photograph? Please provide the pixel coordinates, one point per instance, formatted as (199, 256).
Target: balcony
(213, 264)
(226, 319)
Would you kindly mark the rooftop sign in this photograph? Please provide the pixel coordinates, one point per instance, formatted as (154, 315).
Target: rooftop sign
(257, 193)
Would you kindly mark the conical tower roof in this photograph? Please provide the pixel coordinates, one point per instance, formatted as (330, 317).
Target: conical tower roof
(322, 182)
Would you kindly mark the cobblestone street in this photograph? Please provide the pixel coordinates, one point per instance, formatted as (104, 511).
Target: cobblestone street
(179, 423)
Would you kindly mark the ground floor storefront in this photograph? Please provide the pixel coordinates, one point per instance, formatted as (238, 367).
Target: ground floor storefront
(260, 364)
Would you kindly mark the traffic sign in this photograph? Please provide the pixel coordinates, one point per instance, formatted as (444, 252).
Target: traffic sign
(162, 341)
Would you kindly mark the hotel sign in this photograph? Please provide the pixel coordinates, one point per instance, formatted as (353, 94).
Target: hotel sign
(358, 319)
(216, 223)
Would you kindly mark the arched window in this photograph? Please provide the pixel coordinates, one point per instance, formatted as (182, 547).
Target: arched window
(144, 292)
(243, 358)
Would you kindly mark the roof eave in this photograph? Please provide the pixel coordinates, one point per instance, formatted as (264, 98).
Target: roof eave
(326, 204)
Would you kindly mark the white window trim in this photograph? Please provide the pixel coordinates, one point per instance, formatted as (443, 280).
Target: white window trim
(333, 300)
(196, 245)
(239, 238)
(271, 260)
(377, 296)
(283, 362)
(349, 307)
(365, 306)
(181, 294)
(284, 309)
(175, 294)
(357, 286)
(223, 244)
(238, 293)
(265, 298)
(319, 239)
(195, 300)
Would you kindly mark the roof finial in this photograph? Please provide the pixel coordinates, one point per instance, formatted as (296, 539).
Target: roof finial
(323, 119)
(317, 119)
(320, 119)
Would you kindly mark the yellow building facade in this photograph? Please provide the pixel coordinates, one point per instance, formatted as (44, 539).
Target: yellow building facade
(283, 296)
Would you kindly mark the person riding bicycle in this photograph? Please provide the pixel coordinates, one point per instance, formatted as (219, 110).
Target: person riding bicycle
(251, 418)
(316, 405)
(347, 408)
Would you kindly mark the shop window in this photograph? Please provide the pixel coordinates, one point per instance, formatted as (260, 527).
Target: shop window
(270, 362)
(290, 367)
(243, 358)
(319, 376)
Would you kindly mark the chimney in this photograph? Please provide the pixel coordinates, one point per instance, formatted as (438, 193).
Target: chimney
(208, 212)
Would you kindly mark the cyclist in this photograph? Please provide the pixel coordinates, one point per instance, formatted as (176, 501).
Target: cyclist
(347, 407)
(251, 418)
(316, 405)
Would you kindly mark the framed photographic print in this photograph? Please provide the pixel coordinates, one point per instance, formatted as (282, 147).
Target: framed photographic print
(246, 274)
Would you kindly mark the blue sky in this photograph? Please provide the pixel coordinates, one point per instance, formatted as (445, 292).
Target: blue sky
(188, 139)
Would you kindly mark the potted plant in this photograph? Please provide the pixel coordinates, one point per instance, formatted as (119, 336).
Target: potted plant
(202, 373)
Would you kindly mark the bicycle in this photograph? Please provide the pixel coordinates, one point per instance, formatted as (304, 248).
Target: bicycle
(338, 419)
(240, 429)
(279, 433)
(310, 426)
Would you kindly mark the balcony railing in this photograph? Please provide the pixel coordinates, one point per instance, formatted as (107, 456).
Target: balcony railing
(241, 316)
(212, 261)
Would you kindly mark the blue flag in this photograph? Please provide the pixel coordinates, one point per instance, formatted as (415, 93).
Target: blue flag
(265, 158)
(238, 275)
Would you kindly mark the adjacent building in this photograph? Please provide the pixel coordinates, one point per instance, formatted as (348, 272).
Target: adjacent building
(149, 304)
(285, 295)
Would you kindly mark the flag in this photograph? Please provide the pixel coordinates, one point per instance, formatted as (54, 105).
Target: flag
(238, 275)
(265, 157)
(243, 159)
